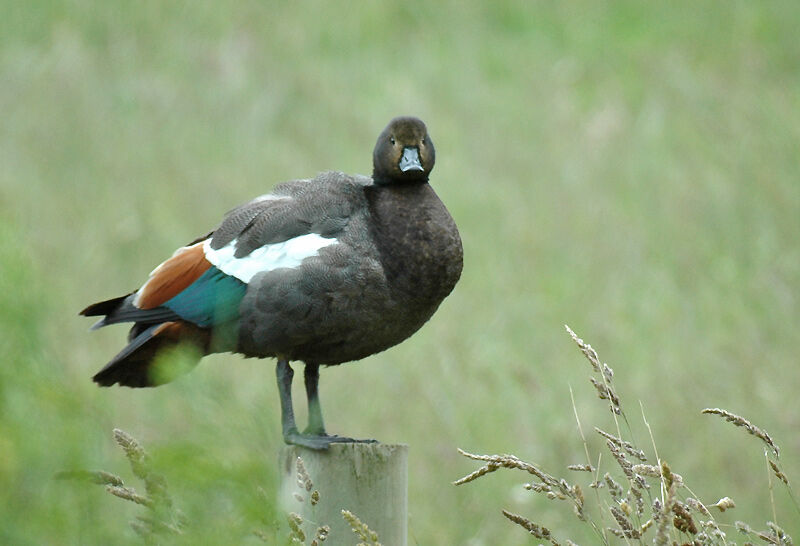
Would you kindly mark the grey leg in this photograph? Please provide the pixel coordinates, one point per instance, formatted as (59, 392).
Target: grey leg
(285, 376)
(316, 425)
(314, 437)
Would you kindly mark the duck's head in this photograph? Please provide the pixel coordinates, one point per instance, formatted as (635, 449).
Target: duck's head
(404, 152)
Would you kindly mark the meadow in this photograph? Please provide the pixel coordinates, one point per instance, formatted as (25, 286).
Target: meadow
(631, 169)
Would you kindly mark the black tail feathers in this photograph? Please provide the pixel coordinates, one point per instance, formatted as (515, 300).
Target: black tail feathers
(103, 307)
(138, 365)
(122, 309)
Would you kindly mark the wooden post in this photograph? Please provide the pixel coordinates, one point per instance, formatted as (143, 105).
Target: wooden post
(369, 480)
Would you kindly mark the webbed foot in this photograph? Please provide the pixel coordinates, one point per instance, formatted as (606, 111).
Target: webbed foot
(319, 442)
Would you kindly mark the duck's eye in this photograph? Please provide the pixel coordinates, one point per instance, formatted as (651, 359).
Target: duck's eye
(424, 141)
(391, 139)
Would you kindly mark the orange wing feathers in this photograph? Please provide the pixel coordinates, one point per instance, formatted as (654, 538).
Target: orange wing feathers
(171, 277)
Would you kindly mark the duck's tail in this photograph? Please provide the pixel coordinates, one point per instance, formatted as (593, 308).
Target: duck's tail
(139, 365)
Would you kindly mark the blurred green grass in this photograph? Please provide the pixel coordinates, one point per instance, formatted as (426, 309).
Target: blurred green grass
(628, 168)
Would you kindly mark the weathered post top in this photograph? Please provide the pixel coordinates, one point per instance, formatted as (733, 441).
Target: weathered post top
(368, 480)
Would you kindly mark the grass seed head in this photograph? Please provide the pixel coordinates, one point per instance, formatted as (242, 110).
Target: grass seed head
(623, 444)
(535, 529)
(586, 349)
(99, 477)
(303, 479)
(321, 536)
(638, 499)
(779, 534)
(683, 520)
(295, 522)
(725, 503)
(622, 519)
(129, 494)
(776, 469)
(622, 461)
(134, 452)
(739, 421)
(614, 488)
(361, 530)
(698, 506)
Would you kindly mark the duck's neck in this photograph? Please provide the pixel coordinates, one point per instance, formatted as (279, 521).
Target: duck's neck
(383, 180)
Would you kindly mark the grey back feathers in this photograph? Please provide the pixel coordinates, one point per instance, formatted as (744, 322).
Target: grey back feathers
(294, 209)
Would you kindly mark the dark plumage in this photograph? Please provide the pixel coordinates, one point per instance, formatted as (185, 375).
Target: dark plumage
(324, 271)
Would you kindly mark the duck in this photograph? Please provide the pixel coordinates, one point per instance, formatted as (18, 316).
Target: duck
(321, 271)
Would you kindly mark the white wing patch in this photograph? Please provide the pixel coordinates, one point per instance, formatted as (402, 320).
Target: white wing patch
(269, 197)
(289, 253)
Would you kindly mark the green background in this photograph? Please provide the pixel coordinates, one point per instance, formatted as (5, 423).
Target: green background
(627, 168)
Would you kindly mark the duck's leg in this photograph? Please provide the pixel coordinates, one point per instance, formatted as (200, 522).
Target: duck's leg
(316, 426)
(285, 376)
(315, 423)
(314, 437)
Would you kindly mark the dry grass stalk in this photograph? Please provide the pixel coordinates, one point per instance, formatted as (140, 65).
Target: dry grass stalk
(740, 421)
(92, 476)
(779, 533)
(725, 503)
(622, 519)
(652, 471)
(536, 530)
(494, 462)
(138, 458)
(295, 522)
(303, 479)
(161, 517)
(698, 506)
(604, 389)
(638, 498)
(472, 476)
(683, 521)
(296, 534)
(543, 488)
(586, 349)
(605, 392)
(776, 469)
(551, 486)
(154, 484)
(623, 444)
(661, 517)
(622, 461)
(710, 534)
(129, 494)
(668, 516)
(361, 530)
(775, 535)
(614, 488)
(625, 533)
(321, 536)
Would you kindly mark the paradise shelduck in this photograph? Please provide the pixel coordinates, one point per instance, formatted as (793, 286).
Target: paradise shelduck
(323, 271)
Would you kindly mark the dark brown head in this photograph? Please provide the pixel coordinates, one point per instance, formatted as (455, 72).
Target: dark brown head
(404, 152)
